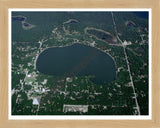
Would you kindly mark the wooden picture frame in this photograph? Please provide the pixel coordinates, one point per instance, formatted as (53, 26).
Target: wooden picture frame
(4, 72)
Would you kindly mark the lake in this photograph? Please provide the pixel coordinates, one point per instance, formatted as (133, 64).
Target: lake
(77, 60)
(143, 14)
(18, 18)
(105, 36)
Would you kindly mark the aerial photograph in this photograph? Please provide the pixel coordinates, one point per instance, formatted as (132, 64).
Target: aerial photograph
(79, 63)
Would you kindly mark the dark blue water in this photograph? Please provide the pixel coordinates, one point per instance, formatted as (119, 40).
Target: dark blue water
(73, 22)
(18, 18)
(144, 14)
(77, 60)
(130, 24)
(26, 24)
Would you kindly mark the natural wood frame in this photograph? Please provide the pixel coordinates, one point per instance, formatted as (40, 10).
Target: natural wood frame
(4, 33)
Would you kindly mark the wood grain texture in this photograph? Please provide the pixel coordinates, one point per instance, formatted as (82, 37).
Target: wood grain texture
(6, 4)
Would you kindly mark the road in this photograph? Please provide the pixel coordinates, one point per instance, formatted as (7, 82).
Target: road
(137, 105)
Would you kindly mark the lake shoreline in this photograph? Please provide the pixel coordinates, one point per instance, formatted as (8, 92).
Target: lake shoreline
(106, 71)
